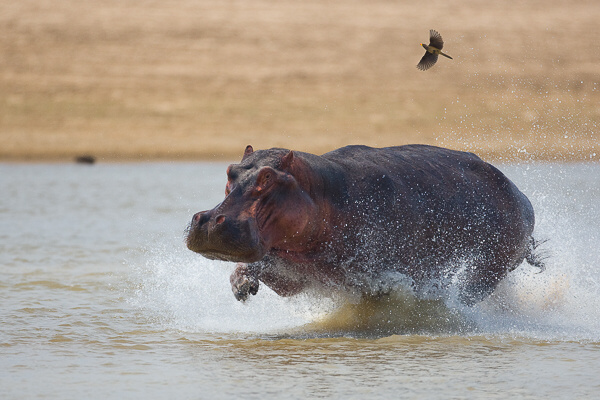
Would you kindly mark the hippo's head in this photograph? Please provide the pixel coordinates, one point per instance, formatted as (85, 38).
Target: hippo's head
(265, 208)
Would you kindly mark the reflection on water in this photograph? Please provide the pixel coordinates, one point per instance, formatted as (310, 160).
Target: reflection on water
(100, 295)
(399, 312)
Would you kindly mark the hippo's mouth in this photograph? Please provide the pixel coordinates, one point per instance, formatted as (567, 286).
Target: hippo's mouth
(233, 255)
(231, 252)
(213, 255)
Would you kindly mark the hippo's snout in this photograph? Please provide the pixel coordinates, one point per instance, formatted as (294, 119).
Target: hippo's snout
(223, 237)
(197, 232)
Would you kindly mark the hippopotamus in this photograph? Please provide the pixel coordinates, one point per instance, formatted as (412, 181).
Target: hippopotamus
(357, 218)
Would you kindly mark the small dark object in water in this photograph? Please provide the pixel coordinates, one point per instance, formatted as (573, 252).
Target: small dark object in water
(85, 159)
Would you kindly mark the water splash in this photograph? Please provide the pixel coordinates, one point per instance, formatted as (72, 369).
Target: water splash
(188, 293)
(180, 290)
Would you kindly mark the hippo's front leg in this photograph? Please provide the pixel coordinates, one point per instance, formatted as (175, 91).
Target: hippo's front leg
(244, 281)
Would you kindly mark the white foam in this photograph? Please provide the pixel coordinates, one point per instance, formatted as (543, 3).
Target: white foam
(182, 290)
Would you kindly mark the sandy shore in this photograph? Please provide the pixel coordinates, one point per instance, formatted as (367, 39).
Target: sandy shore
(201, 79)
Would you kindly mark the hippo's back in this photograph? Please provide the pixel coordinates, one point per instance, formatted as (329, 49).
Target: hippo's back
(405, 161)
(427, 174)
(434, 201)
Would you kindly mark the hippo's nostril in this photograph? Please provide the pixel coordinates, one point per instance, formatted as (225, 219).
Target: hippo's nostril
(220, 219)
(200, 218)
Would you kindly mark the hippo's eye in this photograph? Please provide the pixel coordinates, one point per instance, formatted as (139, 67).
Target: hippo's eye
(265, 179)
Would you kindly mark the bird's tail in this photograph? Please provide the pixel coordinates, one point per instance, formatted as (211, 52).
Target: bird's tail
(446, 55)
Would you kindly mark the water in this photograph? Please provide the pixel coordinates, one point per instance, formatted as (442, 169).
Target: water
(101, 299)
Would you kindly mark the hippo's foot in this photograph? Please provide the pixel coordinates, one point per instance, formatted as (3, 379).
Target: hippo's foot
(243, 283)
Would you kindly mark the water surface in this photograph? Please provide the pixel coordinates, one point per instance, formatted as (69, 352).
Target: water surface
(100, 298)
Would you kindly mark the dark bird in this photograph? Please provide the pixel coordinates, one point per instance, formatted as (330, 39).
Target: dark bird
(432, 50)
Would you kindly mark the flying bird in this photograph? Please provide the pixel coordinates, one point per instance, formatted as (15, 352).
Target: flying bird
(432, 50)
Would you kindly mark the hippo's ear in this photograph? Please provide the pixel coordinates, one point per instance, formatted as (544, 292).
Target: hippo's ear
(249, 150)
(286, 161)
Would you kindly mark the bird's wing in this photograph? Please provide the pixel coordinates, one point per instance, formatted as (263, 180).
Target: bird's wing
(435, 39)
(427, 61)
